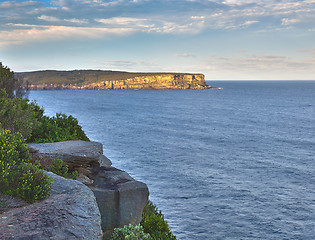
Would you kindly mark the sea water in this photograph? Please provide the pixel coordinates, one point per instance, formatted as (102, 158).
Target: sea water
(235, 163)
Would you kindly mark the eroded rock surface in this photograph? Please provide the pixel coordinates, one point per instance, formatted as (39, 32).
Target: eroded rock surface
(70, 212)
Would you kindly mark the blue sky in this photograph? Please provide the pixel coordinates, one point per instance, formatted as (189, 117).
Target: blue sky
(224, 39)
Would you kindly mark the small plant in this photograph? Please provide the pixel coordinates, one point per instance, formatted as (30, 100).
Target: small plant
(153, 222)
(130, 232)
(3, 203)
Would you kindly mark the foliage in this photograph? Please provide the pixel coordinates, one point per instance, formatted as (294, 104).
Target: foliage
(55, 165)
(9, 83)
(29, 182)
(154, 223)
(18, 176)
(130, 232)
(56, 129)
(17, 114)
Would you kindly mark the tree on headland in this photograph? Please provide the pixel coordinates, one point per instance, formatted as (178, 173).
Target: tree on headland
(9, 83)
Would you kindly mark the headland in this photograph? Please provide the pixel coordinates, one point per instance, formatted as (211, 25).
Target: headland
(110, 80)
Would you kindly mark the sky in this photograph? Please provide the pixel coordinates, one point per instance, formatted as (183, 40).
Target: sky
(223, 39)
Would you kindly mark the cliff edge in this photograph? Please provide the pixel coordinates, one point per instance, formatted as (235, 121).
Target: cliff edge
(110, 80)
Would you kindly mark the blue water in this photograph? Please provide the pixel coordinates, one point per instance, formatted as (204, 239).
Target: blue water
(236, 163)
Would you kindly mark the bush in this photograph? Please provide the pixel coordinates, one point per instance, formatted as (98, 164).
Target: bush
(130, 232)
(17, 115)
(56, 166)
(56, 129)
(153, 223)
(12, 86)
(18, 177)
(29, 182)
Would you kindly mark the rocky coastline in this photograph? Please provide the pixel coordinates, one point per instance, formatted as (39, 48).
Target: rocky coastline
(103, 198)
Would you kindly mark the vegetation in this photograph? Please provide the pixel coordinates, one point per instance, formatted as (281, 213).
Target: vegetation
(56, 129)
(55, 165)
(21, 120)
(19, 177)
(17, 115)
(153, 222)
(153, 226)
(130, 232)
(78, 77)
(9, 83)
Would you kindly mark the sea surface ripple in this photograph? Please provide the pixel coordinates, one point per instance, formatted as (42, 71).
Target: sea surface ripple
(236, 163)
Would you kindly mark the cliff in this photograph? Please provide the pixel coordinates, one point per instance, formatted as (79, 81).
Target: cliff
(102, 199)
(106, 80)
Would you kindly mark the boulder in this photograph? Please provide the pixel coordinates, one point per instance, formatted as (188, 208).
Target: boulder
(70, 212)
(120, 198)
(77, 154)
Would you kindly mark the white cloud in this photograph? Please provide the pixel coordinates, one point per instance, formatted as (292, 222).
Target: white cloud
(286, 21)
(32, 33)
(247, 23)
(49, 18)
(78, 21)
(125, 21)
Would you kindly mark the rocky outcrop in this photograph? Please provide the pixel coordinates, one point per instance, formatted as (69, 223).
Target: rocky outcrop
(70, 212)
(81, 156)
(120, 198)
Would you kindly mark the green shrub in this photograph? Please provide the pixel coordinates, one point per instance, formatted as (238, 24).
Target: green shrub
(12, 86)
(56, 129)
(153, 222)
(130, 232)
(57, 166)
(17, 115)
(29, 182)
(18, 176)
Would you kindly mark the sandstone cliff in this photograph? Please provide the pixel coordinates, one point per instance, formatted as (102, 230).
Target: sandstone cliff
(106, 80)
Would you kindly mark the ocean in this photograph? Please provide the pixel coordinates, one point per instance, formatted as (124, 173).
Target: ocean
(235, 163)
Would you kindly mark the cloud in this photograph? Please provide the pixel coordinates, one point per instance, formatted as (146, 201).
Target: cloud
(126, 22)
(32, 33)
(185, 55)
(286, 21)
(49, 18)
(261, 66)
(125, 65)
(54, 19)
(15, 4)
(154, 25)
(164, 17)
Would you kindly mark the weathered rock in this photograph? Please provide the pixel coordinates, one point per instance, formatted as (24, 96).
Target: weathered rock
(78, 155)
(8, 202)
(120, 198)
(70, 212)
